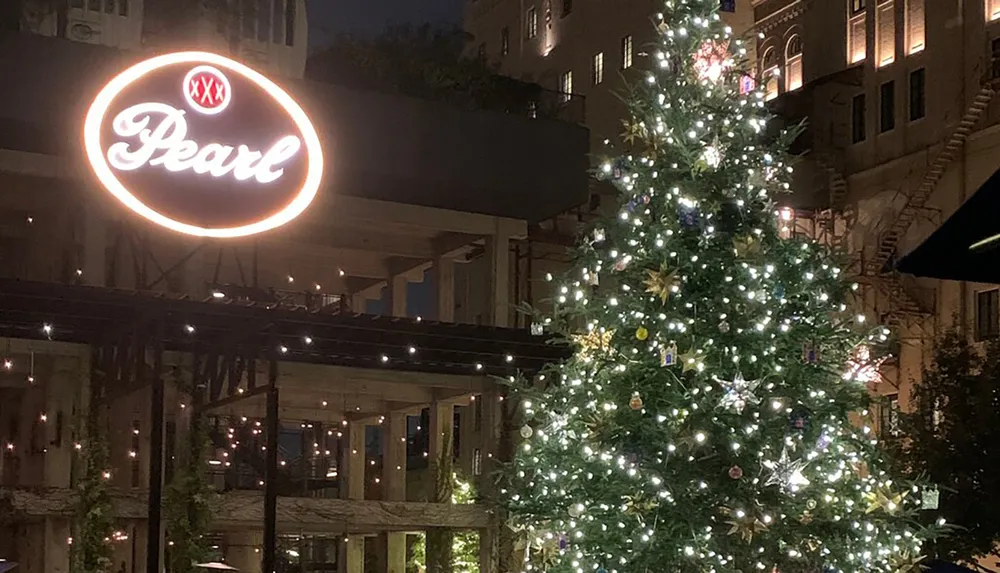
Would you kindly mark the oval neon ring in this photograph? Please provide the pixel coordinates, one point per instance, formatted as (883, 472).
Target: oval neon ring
(95, 155)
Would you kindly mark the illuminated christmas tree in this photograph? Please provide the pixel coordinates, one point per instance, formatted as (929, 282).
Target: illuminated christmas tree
(714, 416)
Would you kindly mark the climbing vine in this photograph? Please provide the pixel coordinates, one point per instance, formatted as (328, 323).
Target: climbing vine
(188, 504)
(94, 523)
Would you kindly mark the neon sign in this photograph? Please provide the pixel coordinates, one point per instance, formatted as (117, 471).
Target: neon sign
(203, 145)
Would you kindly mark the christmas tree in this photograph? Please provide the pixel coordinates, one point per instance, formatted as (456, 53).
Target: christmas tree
(714, 416)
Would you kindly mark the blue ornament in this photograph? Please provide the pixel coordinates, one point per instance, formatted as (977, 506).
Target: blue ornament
(563, 542)
(779, 291)
(688, 216)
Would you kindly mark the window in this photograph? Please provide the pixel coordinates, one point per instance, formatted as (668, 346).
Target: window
(278, 22)
(858, 114)
(914, 26)
(992, 10)
(133, 454)
(290, 22)
(505, 41)
(857, 41)
(94, 5)
(857, 6)
(249, 23)
(995, 57)
(481, 51)
(597, 68)
(566, 86)
(793, 62)
(987, 314)
(626, 52)
(885, 30)
(531, 23)
(889, 415)
(918, 94)
(887, 107)
(123, 8)
(567, 7)
(477, 462)
(770, 73)
(109, 6)
(76, 4)
(263, 20)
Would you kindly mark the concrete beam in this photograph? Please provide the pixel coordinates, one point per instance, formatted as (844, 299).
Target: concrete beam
(373, 381)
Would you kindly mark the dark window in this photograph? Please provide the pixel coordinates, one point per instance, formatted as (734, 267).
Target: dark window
(567, 7)
(887, 107)
(76, 4)
(263, 20)
(277, 22)
(987, 314)
(290, 22)
(94, 5)
(477, 423)
(858, 124)
(918, 94)
(505, 41)
(109, 6)
(857, 6)
(482, 51)
(995, 47)
(123, 7)
(247, 18)
(889, 415)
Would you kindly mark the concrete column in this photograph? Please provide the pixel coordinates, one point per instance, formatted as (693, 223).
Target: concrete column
(351, 558)
(397, 296)
(243, 551)
(439, 540)
(489, 438)
(352, 474)
(61, 388)
(394, 457)
(57, 533)
(498, 254)
(391, 549)
(443, 273)
(352, 486)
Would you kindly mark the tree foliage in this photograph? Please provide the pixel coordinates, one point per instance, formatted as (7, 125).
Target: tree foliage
(951, 435)
(94, 524)
(188, 506)
(704, 424)
(424, 62)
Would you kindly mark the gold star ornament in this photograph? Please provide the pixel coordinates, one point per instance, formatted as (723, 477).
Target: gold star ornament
(597, 341)
(661, 283)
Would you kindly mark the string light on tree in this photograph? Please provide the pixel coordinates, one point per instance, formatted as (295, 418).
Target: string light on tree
(744, 458)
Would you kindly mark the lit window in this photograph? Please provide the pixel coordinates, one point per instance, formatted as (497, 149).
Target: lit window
(889, 414)
(770, 73)
(885, 29)
(477, 462)
(857, 6)
(597, 68)
(857, 42)
(626, 52)
(992, 10)
(914, 26)
(531, 23)
(566, 86)
(793, 62)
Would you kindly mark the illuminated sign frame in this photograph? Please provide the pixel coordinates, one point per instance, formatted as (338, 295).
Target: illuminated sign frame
(97, 115)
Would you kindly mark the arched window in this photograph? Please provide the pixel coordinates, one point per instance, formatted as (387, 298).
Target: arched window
(793, 62)
(770, 73)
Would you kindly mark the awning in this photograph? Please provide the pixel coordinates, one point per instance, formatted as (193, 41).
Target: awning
(967, 246)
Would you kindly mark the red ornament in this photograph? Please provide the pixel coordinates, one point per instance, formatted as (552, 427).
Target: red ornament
(736, 472)
(207, 90)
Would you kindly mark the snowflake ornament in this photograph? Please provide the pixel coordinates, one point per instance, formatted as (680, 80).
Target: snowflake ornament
(739, 392)
(786, 472)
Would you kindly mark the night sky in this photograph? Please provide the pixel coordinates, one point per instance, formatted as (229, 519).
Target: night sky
(371, 16)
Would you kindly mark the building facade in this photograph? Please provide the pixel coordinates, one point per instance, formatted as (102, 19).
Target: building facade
(899, 96)
(339, 417)
(272, 35)
(585, 52)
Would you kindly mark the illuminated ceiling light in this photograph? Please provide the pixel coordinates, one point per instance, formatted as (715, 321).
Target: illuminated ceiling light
(208, 66)
(218, 294)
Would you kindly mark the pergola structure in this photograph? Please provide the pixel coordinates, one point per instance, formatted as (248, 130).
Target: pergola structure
(239, 353)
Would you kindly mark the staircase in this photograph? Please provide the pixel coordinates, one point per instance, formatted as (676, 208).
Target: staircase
(835, 179)
(917, 197)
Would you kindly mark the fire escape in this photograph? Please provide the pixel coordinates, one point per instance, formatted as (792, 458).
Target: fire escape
(906, 307)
